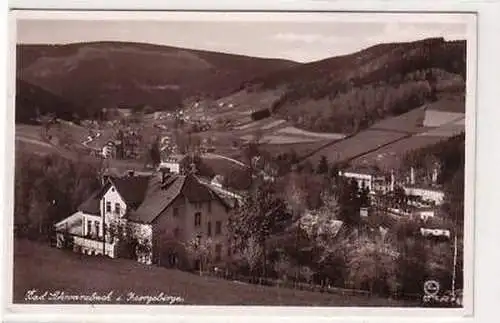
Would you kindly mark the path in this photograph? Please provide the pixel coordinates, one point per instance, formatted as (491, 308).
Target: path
(217, 156)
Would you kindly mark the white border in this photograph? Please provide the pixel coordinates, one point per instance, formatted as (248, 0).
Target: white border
(488, 53)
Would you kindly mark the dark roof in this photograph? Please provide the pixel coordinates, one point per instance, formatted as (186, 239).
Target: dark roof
(363, 169)
(91, 205)
(147, 198)
(132, 188)
(160, 196)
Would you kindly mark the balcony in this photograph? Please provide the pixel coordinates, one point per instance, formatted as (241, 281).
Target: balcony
(91, 246)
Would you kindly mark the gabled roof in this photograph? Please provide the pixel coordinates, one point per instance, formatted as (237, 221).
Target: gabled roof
(132, 188)
(92, 204)
(158, 198)
(147, 197)
(161, 196)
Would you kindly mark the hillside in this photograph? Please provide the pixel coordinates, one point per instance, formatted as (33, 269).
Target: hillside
(48, 269)
(348, 93)
(109, 74)
(32, 100)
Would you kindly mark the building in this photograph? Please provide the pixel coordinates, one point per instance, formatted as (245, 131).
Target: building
(371, 178)
(157, 214)
(172, 163)
(109, 150)
(428, 194)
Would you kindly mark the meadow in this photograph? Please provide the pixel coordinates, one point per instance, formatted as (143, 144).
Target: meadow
(38, 266)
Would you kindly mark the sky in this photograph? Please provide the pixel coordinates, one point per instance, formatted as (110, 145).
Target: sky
(298, 38)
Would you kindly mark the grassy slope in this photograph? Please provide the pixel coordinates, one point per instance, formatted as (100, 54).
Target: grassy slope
(44, 268)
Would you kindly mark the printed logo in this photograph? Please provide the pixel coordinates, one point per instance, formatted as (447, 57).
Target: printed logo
(431, 288)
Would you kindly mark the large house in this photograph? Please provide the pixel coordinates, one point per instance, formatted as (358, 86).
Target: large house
(427, 193)
(155, 215)
(371, 178)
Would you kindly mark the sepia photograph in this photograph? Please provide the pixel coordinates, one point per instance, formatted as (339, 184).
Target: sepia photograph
(244, 158)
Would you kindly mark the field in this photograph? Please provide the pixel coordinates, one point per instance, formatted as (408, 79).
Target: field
(410, 122)
(362, 142)
(292, 131)
(390, 156)
(387, 141)
(434, 118)
(40, 267)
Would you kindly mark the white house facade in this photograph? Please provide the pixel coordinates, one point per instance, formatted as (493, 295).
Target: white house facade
(433, 195)
(152, 211)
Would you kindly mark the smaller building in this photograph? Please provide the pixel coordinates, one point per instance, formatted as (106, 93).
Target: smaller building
(432, 195)
(425, 213)
(370, 177)
(172, 164)
(426, 232)
(109, 150)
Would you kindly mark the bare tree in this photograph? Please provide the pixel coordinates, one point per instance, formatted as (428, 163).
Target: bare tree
(200, 251)
(252, 253)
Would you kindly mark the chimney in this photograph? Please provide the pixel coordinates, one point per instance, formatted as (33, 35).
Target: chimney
(104, 179)
(164, 174)
(412, 176)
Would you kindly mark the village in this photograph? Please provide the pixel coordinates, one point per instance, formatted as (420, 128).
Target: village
(182, 175)
(170, 206)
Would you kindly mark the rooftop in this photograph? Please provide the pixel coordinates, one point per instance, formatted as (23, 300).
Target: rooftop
(147, 197)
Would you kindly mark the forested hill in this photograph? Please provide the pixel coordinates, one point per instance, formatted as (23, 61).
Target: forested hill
(118, 74)
(33, 101)
(348, 93)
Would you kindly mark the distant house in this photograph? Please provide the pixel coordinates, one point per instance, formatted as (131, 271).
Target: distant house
(427, 194)
(371, 178)
(172, 163)
(425, 213)
(109, 150)
(425, 232)
(159, 213)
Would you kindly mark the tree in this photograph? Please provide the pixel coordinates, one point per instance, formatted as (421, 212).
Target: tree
(48, 189)
(260, 215)
(349, 202)
(154, 152)
(364, 197)
(200, 251)
(252, 254)
(372, 265)
(282, 266)
(322, 166)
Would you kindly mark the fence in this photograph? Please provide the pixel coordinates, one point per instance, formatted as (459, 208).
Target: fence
(290, 284)
(323, 288)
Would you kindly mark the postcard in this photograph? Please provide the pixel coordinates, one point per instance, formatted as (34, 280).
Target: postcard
(302, 160)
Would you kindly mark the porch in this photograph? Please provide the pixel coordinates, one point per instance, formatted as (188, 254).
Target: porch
(71, 234)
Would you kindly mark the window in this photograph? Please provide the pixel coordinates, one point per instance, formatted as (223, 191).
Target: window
(117, 208)
(198, 240)
(89, 227)
(176, 212)
(209, 229)
(218, 251)
(108, 206)
(96, 224)
(218, 227)
(197, 219)
(209, 206)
